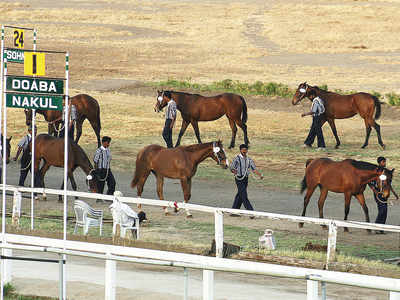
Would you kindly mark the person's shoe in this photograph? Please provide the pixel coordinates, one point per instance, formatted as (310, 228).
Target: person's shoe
(252, 217)
(306, 146)
(234, 215)
(379, 232)
(321, 149)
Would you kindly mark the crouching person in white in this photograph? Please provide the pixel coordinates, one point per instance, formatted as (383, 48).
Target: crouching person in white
(125, 218)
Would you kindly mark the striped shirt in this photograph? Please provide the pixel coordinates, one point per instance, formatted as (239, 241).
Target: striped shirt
(242, 165)
(102, 158)
(317, 106)
(24, 142)
(171, 110)
(72, 115)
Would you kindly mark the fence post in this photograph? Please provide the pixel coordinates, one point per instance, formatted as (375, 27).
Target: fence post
(110, 279)
(394, 295)
(331, 249)
(219, 233)
(312, 289)
(7, 266)
(208, 285)
(185, 284)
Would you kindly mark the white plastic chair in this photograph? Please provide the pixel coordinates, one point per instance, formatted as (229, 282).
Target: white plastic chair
(87, 216)
(125, 217)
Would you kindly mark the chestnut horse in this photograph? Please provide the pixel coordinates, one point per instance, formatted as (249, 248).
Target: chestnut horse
(86, 107)
(195, 108)
(344, 106)
(348, 177)
(177, 163)
(51, 150)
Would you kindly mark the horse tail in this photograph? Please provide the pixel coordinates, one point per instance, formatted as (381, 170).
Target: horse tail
(377, 107)
(98, 116)
(140, 168)
(244, 110)
(303, 185)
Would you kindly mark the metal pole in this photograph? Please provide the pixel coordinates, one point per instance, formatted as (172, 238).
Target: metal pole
(312, 290)
(185, 284)
(61, 276)
(323, 290)
(33, 147)
(1, 105)
(219, 233)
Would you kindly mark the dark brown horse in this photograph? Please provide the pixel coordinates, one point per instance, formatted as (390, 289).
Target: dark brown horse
(8, 148)
(195, 108)
(348, 177)
(344, 106)
(86, 107)
(51, 150)
(177, 163)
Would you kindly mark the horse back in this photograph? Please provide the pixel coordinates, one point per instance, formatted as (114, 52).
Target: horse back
(85, 104)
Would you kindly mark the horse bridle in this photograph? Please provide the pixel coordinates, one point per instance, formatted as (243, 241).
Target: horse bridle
(303, 91)
(161, 97)
(216, 151)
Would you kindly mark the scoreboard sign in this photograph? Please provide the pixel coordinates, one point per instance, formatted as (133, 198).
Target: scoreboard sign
(35, 85)
(14, 55)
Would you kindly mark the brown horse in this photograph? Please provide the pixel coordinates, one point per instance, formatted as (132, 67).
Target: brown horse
(195, 108)
(51, 150)
(178, 163)
(86, 107)
(344, 106)
(348, 177)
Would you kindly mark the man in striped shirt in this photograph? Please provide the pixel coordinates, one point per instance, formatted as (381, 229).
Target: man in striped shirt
(317, 111)
(241, 167)
(170, 117)
(102, 160)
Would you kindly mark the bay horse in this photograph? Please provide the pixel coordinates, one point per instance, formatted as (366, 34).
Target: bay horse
(195, 108)
(86, 107)
(51, 150)
(348, 177)
(177, 163)
(344, 106)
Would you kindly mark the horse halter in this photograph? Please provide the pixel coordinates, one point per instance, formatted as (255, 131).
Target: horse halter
(382, 178)
(216, 150)
(161, 97)
(303, 90)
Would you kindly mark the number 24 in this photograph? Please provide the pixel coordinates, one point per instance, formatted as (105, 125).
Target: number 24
(19, 38)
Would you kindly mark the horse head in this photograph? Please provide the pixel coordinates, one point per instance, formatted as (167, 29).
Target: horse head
(219, 155)
(302, 91)
(28, 116)
(385, 177)
(91, 181)
(162, 100)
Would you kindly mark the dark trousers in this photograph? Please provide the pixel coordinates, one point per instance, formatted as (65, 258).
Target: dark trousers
(316, 130)
(167, 133)
(25, 167)
(70, 131)
(382, 212)
(241, 196)
(102, 177)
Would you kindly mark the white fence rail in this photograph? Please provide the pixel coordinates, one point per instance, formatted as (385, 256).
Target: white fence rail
(207, 263)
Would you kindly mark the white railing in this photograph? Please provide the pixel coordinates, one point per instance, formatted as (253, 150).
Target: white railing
(110, 253)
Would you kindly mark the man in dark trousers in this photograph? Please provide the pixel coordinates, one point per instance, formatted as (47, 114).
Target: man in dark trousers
(102, 160)
(24, 147)
(381, 201)
(170, 117)
(317, 111)
(241, 167)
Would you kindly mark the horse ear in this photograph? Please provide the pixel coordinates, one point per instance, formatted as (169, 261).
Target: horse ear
(392, 170)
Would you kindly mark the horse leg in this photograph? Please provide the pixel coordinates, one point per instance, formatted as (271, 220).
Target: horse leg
(368, 132)
(378, 133)
(332, 124)
(234, 130)
(160, 183)
(42, 172)
(321, 202)
(182, 131)
(196, 130)
(347, 198)
(361, 200)
(244, 128)
(186, 187)
(140, 186)
(96, 128)
(307, 197)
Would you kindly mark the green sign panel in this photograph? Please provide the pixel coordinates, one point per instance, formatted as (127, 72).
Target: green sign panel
(14, 55)
(35, 85)
(31, 101)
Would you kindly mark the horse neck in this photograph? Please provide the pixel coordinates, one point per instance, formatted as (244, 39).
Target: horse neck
(204, 151)
(367, 175)
(49, 115)
(83, 162)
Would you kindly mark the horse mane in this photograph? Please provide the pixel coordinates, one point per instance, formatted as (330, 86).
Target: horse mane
(195, 147)
(363, 165)
(184, 93)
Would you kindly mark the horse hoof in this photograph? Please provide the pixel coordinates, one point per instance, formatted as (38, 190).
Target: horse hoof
(301, 225)
(189, 216)
(363, 146)
(337, 147)
(176, 210)
(383, 146)
(230, 147)
(166, 214)
(324, 227)
(346, 230)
